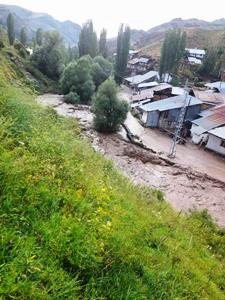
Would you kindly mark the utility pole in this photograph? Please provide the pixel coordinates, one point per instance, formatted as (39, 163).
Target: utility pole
(180, 122)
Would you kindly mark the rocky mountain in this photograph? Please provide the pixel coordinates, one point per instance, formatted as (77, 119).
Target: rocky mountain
(32, 21)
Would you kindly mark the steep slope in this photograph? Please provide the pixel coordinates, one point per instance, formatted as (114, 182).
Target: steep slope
(32, 21)
(72, 227)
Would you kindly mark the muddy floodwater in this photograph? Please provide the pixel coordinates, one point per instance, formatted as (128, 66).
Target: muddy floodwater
(187, 184)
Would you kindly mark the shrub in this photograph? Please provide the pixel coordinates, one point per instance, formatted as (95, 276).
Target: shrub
(110, 112)
(72, 98)
(77, 78)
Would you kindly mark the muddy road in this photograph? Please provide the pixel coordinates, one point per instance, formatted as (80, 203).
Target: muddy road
(184, 186)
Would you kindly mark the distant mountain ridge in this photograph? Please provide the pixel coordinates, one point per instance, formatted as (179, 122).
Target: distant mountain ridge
(155, 34)
(32, 21)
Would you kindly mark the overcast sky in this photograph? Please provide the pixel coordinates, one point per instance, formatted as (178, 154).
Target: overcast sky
(141, 14)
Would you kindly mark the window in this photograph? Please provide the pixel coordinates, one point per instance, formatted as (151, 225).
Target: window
(222, 144)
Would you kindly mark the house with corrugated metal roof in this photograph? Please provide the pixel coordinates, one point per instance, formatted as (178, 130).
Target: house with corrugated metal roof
(140, 64)
(211, 119)
(209, 97)
(218, 86)
(134, 81)
(216, 140)
(196, 53)
(164, 113)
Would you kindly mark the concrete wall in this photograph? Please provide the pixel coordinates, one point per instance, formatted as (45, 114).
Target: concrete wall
(214, 143)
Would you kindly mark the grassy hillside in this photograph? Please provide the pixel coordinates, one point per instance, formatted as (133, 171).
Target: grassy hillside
(72, 227)
(196, 38)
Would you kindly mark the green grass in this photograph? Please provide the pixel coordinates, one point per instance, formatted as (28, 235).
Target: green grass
(72, 227)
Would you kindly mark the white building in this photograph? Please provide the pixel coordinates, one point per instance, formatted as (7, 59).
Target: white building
(196, 53)
(216, 141)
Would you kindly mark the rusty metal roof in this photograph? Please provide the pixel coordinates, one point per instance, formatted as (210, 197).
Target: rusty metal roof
(215, 118)
(210, 97)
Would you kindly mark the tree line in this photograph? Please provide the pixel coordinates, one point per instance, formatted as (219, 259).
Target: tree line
(84, 73)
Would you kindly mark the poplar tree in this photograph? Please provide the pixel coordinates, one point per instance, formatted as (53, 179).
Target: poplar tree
(23, 36)
(88, 40)
(172, 51)
(11, 29)
(39, 37)
(123, 45)
(103, 43)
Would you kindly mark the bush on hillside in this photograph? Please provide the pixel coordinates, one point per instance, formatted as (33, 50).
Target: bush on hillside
(110, 112)
(72, 98)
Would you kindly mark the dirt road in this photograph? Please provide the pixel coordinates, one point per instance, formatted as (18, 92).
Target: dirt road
(184, 186)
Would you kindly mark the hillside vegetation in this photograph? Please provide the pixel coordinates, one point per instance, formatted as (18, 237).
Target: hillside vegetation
(196, 38)
(73, 227)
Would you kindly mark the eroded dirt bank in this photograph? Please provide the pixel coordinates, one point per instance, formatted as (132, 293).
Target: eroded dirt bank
(184, 187)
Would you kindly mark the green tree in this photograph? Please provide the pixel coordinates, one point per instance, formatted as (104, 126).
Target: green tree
(23, 36)
(103, 43)
(123, 45)
(39, 37)
(49, 57)
(77, 78)
(73, 53)
(172, 51)
(101, 70)
(109, 111)
(11, 29)
(208, 68)
(88, 40)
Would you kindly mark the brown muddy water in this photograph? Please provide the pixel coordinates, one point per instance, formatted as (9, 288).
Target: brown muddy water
(186, 185)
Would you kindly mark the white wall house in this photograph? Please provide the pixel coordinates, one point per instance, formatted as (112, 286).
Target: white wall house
(216, 141)
(196, 53)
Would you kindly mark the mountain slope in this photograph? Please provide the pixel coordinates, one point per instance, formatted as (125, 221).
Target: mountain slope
(73, 227)
(196, 38)
(32, 21)
(157, 33)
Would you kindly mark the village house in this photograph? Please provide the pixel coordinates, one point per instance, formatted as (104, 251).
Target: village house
(164, 113)
(195, 53)
(162, 91)
(209, 98)
(158, 92)
(194, 61)
(218, 86)
(147, 85)
(216, 140)
(210, 119)
(133, 54)
(195, 56)
(141, 64)
(132, 64)
(134, 81)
